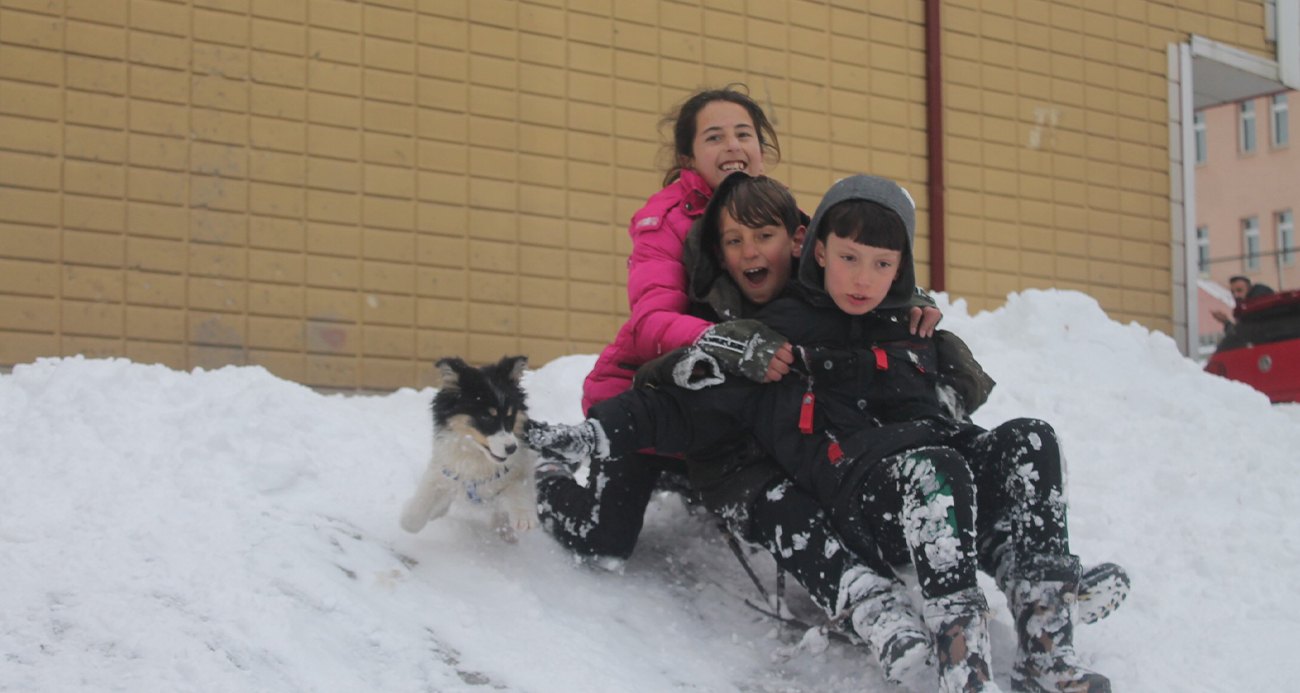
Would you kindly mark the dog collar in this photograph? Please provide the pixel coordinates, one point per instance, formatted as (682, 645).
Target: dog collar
(471, 485)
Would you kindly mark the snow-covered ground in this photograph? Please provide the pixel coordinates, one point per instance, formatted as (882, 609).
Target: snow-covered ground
(230, 531)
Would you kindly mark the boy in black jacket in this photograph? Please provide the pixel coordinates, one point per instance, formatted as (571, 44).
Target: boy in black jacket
(864, 431)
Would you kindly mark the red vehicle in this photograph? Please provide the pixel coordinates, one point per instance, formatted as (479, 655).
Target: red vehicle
(1263, 348)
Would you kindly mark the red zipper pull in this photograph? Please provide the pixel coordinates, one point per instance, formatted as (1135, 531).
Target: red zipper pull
(806, 410)
(882, 360)
(834, 452)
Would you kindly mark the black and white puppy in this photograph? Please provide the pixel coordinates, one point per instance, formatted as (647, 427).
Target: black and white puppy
(477, 416)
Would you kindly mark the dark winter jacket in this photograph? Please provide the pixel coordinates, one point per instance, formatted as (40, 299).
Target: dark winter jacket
(874, 393)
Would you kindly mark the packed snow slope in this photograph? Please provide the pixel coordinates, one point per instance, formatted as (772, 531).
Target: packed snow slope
(230, 531)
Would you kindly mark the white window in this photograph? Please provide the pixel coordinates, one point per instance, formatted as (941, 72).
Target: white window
(1279, 126)
(1286, 236)
(1250, 242)
(1203, 249)
(1246, 127)
(1202, 144)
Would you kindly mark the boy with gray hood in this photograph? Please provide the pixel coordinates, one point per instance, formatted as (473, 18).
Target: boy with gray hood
(862, 429)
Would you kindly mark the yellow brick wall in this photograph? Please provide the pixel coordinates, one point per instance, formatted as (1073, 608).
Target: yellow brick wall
(1058, 145)
(345, 191)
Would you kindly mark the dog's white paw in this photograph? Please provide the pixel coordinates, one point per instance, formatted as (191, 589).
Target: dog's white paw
(524, 523)
(414, 516)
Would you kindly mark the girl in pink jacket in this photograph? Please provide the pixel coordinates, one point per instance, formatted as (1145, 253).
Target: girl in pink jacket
(716, 133)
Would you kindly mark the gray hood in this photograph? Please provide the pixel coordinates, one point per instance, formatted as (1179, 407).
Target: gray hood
(874, 189)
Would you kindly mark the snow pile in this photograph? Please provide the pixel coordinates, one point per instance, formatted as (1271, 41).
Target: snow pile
(230, 531)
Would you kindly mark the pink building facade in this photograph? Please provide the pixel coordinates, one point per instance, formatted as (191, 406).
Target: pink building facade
(1247, 197)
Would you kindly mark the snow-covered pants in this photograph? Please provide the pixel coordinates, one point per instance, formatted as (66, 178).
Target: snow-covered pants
(922, 505)
(1020, 481)
(1013, 472)
(603, 518)
(791, 525)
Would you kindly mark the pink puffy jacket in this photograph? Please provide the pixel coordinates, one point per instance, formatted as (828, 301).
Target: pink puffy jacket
(656, 289)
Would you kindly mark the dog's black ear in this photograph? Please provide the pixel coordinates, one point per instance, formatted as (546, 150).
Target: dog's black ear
(514, 365)
(450, 369)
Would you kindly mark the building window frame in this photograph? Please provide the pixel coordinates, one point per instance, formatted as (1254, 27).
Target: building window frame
(1246, 130)
(1285, 221)
(1279, 121)
(1202, 137)
(1203, 250)
(1250, 244)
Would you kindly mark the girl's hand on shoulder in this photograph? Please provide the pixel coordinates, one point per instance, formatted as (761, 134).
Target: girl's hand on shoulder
(924, 320)
(780, 364)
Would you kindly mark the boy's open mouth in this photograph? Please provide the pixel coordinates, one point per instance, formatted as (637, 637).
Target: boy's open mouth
(756, 276)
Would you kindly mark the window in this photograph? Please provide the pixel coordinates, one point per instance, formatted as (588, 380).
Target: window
(1203, 249)
(1286, 236)
(1198, 126)
(1280, 127)
(1250, 240)
(1246, 127)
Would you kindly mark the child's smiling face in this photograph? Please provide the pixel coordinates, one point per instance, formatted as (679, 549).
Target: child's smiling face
(758, 259)
(725, 142)
(858, 277)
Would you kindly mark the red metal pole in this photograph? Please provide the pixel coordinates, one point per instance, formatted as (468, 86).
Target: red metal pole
(934, 139)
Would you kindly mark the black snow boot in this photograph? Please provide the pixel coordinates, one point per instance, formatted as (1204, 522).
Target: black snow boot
(576, 442)
(548, 466)
(1043, 596)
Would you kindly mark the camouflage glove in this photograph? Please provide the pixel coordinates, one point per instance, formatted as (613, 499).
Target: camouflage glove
(687, 367)
(742, 347)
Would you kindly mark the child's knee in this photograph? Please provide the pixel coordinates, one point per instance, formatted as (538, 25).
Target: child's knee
(1036, 433)
(930, 469)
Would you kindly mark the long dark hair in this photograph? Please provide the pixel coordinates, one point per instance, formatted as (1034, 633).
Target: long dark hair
(682, 122)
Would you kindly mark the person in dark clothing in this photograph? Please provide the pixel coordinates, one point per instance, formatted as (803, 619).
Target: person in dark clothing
(863, 430)
(1243, 289)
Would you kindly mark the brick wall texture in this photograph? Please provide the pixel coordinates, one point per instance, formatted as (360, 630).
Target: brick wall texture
(345, 191)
